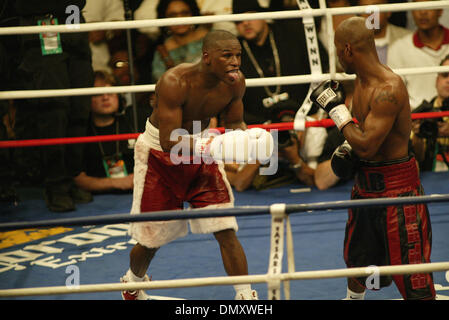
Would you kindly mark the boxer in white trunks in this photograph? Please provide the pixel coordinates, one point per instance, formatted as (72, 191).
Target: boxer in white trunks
(191, 92)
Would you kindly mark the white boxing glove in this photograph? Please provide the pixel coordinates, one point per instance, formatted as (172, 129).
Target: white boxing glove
(262, 144)
(233, 146)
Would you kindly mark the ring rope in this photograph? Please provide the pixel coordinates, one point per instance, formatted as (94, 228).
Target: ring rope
(288, 14)
(221, 212)
(228, 280)
(252, 82)
(282, 126)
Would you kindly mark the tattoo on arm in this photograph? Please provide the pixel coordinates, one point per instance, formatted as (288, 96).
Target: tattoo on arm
(386, 96)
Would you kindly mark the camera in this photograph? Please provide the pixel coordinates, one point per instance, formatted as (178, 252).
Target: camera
(284, 111)
(429, 127)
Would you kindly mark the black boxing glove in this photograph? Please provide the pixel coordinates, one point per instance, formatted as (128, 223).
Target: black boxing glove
(330, 96)
(344, 161)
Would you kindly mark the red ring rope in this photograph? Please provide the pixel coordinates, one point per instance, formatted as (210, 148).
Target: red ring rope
(326, 123)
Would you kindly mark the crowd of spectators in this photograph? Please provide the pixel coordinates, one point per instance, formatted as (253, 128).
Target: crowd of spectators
(269, 49)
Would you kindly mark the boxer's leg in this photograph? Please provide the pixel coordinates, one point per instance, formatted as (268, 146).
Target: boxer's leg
(150, 194)
(232, 253)
(214, 191)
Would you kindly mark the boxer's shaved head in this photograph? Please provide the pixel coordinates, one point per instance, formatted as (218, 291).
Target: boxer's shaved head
(213, 38)
(353, 31)
(222, 55)
(353, 42)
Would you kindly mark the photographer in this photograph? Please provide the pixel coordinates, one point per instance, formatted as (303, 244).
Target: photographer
(430, 137)
(299, 150)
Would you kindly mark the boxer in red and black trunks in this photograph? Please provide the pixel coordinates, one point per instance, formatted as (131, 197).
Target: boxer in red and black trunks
(376, 152)
(175, 164)
(392, 235)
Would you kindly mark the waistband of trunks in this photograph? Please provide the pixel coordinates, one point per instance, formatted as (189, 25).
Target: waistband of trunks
(153, 132)
(151, 136)
(383, 176)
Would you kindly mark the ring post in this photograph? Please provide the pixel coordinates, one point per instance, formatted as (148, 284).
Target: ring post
(278, 215)
(290, 256)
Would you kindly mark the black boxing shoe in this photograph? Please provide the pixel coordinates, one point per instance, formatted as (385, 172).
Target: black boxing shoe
(9, 195)
(80, 195)
(58, 200)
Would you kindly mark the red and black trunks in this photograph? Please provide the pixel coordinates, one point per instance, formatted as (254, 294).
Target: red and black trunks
(391, 235)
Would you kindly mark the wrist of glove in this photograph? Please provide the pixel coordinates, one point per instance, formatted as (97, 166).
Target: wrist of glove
(341, 116)
(330, 96)
(344, 161)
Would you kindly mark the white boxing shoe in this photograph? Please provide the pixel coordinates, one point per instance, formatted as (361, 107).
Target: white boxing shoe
(247, 295)
(134, 294)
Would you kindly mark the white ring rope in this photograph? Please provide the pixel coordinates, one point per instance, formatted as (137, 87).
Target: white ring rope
(288, 14)
(256, 82)
(228, 280)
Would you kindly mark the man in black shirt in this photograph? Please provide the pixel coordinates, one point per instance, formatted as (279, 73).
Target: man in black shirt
(271, 50)
(109, 166)
(53, 61)
(8, 193)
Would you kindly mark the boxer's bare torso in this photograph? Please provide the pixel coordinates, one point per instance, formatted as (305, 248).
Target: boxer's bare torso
(381, 107)
(197, 92)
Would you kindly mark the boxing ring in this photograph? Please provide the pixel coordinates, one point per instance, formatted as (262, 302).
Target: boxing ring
(288, 268)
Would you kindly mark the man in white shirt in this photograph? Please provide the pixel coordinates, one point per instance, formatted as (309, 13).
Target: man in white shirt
(427, 46)
(102, 11)
(385, 33)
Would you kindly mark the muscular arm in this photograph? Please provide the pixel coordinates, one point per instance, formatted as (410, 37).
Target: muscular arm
(170, 97)
(97, 184)
(367, 139)
(325, 176)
